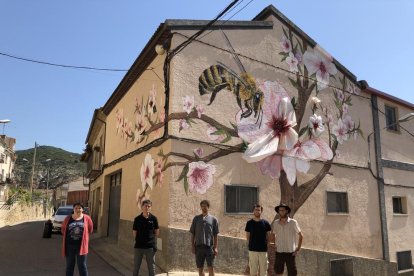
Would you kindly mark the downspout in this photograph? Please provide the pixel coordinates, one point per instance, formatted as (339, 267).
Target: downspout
(380, 179)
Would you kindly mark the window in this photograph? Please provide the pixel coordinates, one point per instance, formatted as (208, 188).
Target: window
(337, 202)
(343, 267)
(240, 199)
(391, 118)
(116, 179)
(404, 260)
(399, 205)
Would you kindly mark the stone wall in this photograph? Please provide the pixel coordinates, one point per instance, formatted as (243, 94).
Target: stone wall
(21, 212)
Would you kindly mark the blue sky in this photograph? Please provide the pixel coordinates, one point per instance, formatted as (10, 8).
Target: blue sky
(54, 106)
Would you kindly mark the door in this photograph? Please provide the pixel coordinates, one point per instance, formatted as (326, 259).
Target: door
(114, 205)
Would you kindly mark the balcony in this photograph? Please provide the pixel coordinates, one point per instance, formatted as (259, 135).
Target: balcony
(94, 164)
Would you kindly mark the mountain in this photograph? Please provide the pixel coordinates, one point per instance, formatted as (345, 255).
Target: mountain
(63, 167)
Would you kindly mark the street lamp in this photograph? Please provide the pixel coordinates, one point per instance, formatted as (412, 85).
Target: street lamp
(4, 122)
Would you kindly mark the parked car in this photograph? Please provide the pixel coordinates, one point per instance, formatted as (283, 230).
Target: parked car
(60, 215)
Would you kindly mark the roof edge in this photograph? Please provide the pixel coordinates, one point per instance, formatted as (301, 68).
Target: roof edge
(391, 98)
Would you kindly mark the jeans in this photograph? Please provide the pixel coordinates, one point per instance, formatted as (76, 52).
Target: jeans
(72, 257)
(149, 256)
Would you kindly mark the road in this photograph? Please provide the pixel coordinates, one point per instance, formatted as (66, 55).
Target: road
(23, 251)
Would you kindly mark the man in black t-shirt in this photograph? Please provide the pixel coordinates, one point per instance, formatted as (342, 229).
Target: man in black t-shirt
(258, 236)
(145, 231)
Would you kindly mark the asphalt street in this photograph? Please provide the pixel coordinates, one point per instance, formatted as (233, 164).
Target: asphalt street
(23, 251)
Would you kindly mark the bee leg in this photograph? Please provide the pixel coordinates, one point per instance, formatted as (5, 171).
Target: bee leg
(215, 91)
(237, 92)
(248, 112)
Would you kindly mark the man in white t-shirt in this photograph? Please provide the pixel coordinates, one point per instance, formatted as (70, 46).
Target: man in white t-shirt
(286, 230)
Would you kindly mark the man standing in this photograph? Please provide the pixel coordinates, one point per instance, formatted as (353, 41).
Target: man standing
(145, 231)
(258, 237)
(286, 230)
(204, 231)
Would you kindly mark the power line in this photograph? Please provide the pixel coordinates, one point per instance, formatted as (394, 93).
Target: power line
(62, 65)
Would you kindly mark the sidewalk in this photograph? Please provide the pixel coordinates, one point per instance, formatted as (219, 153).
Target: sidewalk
(123, 261)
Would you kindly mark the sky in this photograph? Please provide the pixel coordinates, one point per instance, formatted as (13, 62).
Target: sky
(54, 106)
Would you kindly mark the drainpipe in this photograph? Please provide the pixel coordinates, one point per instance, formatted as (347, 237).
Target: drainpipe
(380, 179)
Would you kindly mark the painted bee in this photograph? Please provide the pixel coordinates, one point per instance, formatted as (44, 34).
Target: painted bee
(218, 77)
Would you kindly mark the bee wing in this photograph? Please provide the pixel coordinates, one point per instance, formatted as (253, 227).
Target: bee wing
(234, 74)
(236, 57)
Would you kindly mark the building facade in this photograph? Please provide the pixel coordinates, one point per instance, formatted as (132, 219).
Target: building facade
(199, 133)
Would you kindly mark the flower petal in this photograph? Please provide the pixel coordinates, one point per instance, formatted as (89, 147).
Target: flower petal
(289, 166)
(288, 140)
(261, 148)
(302, 165)
(326, 151)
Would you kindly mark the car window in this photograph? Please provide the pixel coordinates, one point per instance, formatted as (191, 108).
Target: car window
(63, 211)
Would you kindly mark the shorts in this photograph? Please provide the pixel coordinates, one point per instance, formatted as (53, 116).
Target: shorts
(204, 253)
(289, 260)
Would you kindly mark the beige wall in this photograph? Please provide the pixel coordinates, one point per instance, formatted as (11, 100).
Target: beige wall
(118, 144)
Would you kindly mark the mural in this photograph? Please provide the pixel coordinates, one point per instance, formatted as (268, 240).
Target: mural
(269, 129)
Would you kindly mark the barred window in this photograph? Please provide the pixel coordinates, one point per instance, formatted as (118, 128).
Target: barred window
(240, 199)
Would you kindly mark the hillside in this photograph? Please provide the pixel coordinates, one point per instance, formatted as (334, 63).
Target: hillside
(63, 166)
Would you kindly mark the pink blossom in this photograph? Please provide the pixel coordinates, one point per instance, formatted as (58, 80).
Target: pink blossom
(297, 159)
(199, 152)
(321, 64)
(339, 95)
(137, 136)
(138, 106)
(345, 108)
(271, 165)
(280, 134)
(329, 119)
(162, 116)
(292, 62)
(158, 171)
(200, 176)
(188, 104)
(140, 123)
(340, 131)
(352, 88)
(348, 122)
(285, 44)
(200, 110)
(119, 120)
(147, 172)
(316, 125)
(214, 137)
(183, 125)
(152, 108)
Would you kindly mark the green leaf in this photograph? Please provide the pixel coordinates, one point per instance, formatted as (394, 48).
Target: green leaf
(294, 83)
(183, 173)
(225, 140)
(234, 126)
(303, 130)
(293, 102)
(190, 120)
(186, 185)
(219, 132)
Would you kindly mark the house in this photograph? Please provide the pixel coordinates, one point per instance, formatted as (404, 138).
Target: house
(72, 192)
(7, 161)
(199, 133)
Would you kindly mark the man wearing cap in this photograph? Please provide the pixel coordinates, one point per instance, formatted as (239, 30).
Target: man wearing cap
(285, 230)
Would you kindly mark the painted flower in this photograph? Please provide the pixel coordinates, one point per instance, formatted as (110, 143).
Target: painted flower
(140, 123)
(298, 56)
(158, 171)
(339, 95)
(292, 62)
(198, 152)
(137, 136)
(316, 125)
(285, 44)
(147, 172)
(280, 134)
(271, 165)
(315, 100)
(138, 107)
(214, 137)
(345, 108)
(329, 120)
(200, 110)
(321, 64)
(188, 104)
(119, 120)
(183, 125)
(297, 159)
(352, 88)
(152, 107)
(162, 116)
(340, 131)
(348, 122)
(200, 176)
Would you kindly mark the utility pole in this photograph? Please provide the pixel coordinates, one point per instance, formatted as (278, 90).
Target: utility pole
(33, 171)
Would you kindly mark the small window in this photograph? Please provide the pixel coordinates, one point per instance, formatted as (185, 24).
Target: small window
(116, 179)
(391, 118)
(240, 199)
(343, 267)
(337, 202)
(404, 260)
(399, 205)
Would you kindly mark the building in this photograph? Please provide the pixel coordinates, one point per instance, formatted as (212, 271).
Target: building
(72, 192)
(183, 138)
(7, 161)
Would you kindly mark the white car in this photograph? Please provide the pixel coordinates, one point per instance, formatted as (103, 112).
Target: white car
(60, 215)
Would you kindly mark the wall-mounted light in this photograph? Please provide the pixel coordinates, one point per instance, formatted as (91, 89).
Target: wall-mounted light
(159, 49)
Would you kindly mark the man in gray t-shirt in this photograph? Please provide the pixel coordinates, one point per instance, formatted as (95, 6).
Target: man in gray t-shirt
(204, 231)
